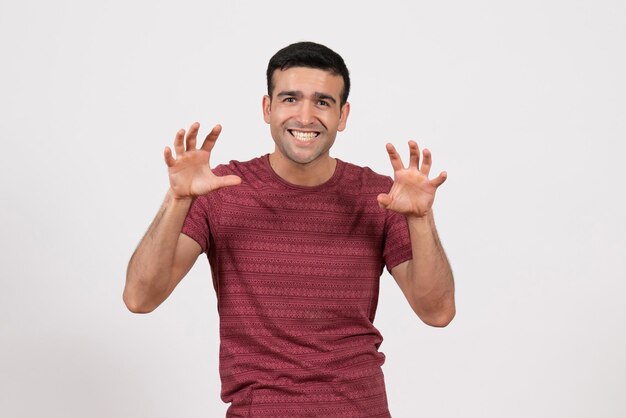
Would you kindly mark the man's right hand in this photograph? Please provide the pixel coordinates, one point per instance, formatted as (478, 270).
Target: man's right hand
(190, 173)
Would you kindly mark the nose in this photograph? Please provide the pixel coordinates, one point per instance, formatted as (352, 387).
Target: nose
(306, 113)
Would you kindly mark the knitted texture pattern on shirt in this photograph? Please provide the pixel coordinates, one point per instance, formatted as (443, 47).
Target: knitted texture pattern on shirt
(296, 270)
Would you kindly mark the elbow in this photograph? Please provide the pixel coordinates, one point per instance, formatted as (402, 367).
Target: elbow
(135, 305)
(438, 316)
(440, 319)
(140, 296)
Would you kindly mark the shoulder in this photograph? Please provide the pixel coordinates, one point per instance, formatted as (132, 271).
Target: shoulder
(251, 171)
(252, 174)
(234, 166)
(365, 179)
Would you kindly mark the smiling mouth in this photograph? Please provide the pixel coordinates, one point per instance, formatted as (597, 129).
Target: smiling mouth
(303, 136)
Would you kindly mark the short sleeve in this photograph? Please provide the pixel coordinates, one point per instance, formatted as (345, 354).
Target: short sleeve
(397, 247)
(196, 224)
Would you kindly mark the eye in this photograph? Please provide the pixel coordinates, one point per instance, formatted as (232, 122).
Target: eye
(322, 103)
(289, 100)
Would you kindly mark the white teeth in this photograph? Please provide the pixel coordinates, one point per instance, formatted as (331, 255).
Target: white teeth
(303, 136)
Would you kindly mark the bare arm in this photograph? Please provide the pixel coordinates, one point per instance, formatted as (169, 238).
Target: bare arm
(162, 259)
(164, 255)
(426, 280)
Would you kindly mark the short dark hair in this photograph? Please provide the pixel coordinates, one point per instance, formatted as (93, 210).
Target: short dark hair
(310, 55)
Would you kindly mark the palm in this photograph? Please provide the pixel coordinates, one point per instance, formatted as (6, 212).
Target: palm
(190, 173)
(412, 193)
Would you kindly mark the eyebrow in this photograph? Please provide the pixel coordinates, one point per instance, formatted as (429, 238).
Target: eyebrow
(298, 94)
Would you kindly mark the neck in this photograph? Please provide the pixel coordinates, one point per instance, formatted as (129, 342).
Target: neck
(310, 174)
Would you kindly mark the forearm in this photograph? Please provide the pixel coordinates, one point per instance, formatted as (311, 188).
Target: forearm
(149, 273)
(432, 282)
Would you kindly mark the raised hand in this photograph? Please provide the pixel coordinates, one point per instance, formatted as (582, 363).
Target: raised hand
(190, 174)
(412, 193)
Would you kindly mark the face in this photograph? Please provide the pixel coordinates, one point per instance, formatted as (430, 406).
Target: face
(304, 113)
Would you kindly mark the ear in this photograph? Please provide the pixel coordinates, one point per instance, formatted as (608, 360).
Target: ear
(343, 117)
(267, 104)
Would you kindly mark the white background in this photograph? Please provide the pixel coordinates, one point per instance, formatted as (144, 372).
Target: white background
(523, 103)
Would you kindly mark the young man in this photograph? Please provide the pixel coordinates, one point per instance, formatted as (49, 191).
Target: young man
(297, 241)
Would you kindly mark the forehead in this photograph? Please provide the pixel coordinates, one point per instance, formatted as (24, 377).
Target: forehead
(308, 81)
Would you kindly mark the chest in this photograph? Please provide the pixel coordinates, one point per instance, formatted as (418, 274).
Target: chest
(288, 231)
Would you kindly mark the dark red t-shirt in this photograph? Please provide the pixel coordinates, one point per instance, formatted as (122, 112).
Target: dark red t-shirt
(296, 270)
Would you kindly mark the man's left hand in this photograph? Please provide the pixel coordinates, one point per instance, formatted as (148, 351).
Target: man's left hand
(412, 193)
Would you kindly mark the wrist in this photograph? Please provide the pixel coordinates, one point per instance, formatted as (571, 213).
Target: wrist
(424, 217)
(425, 221)
(173, 197)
